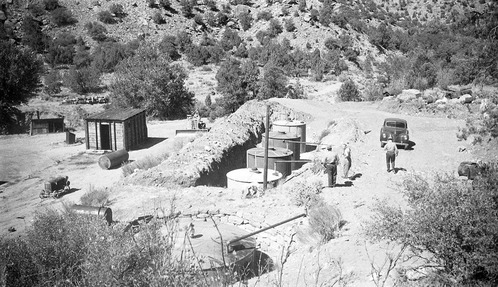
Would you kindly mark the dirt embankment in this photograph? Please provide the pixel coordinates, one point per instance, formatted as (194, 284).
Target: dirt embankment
(207, 159)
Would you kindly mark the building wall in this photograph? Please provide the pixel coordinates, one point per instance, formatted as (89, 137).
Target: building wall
(123, 135)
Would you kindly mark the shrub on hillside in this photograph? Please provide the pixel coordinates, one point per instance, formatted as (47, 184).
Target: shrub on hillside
(61, 49)
(275, 28)
(106, 17)
(62, 17)
(33, 35)
(96, 31)
(108, 55)
(158, 18)
(349, 92)
(183, 41)
(51, 4)
(230, 39)
(264, 15)
(187, 7)
(302, 5)
(117, 10)
(373, 92)
(168, 47)
(52, 82)
(82, 81)
(289, 25)
(221, 19)
(273, 84)
(211, 4)
(449, 225)
(245, 20)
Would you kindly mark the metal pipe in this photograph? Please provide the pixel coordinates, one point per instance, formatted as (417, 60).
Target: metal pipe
(291, 141)
(267, 135)
(261, 230)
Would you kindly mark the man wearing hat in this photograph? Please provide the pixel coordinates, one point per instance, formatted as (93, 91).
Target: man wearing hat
(330, 161)
(391, 154)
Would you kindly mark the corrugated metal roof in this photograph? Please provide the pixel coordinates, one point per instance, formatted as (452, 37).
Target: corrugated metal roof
(115, 114)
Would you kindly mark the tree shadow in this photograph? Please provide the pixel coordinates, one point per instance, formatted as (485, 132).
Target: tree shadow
(151, 141)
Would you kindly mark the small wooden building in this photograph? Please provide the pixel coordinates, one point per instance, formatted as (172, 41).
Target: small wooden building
(116, 129)
(44, 126)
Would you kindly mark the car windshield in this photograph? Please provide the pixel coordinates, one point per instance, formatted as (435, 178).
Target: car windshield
(400, 125)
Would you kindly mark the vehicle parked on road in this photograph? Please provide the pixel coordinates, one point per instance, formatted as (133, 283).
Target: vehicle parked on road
(398, 129)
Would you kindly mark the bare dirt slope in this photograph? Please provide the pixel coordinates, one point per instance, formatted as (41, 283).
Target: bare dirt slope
(27, 161)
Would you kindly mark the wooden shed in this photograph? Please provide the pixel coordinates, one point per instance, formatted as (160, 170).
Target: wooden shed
(44, 126)
(116, 129)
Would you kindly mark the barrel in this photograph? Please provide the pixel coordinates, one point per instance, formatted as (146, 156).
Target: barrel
(294, 127)
(70, 137)
(278, 159)
(113, 159)
(101, 212)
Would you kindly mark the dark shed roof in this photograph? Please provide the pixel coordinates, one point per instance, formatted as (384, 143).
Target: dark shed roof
(115, 114)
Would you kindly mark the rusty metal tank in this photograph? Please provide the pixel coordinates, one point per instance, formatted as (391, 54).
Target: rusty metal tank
(285, 140)
(278, 159)
(242, 178)
(292, 127)
(204, 242)
(102, 212)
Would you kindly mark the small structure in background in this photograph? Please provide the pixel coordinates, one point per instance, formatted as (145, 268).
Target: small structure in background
(116, 129)
(46, 125)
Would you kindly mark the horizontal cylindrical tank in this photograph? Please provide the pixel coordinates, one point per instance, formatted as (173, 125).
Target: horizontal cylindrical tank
(292, 127)
(285, 140)
(241, 179)
(278, 159)
(113, 159)
(102, 212)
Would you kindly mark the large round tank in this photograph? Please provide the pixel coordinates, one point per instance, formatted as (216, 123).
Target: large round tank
(206, 244)
(294, 127)
(285, 140)
(278, 159)
(242, 178)
(99, 211)
(113, 159)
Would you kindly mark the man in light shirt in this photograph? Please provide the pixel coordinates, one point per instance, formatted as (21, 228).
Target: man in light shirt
(391, 154)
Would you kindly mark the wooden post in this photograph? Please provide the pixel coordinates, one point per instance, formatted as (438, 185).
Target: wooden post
(267, 135)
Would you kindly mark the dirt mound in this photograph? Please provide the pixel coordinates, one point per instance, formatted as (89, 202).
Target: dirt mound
(343, 130)
(208, 158)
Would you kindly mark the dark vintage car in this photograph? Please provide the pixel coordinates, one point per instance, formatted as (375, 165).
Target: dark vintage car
(398, 129)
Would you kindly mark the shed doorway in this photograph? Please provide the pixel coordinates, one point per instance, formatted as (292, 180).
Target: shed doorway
(105, 136)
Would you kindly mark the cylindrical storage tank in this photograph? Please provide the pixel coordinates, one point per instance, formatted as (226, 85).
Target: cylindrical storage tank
(284, 140)
(278, 159)
(242, 178)
(102, 212)
(295, 127)
(113, 159)
(70, 137)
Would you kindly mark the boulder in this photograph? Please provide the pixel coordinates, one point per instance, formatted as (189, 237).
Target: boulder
(241, 9)
(442, 101)
(2, 16)
(466, 99)
(410, 94)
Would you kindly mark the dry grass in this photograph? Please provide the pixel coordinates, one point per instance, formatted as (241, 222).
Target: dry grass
(143, 164)
(325, 220)
(96, 197)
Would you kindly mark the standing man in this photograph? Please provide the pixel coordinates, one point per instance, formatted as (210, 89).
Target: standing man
(330, 162)
(391, 154)
(347, 159)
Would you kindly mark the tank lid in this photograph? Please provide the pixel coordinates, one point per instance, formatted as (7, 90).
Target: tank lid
(249, 175)
(289, 123)
(283, 135)
(206, 242)
(272, 152)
